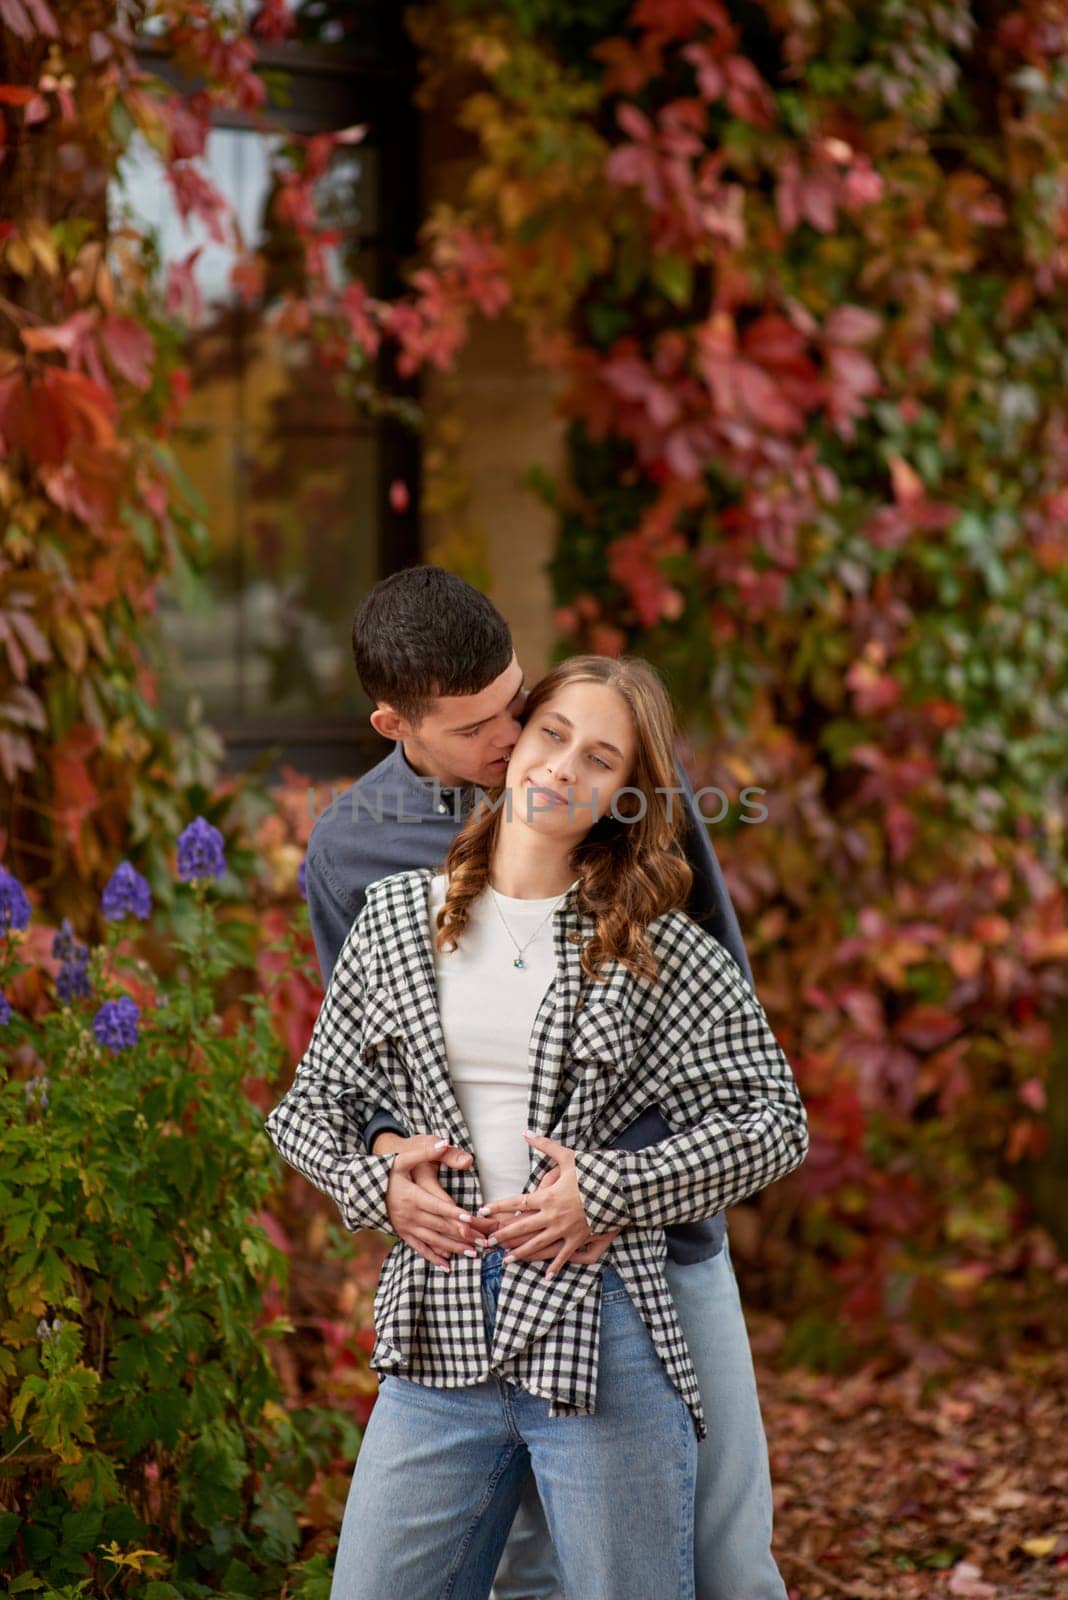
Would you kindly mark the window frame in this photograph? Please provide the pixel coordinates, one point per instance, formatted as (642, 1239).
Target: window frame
(373, 84)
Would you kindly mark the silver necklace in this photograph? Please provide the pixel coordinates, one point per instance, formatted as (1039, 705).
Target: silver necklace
(519, 948)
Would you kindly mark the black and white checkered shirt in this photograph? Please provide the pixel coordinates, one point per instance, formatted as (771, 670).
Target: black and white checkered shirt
(697, 1044)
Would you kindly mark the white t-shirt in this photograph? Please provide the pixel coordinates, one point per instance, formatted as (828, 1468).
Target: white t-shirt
(488, 1006)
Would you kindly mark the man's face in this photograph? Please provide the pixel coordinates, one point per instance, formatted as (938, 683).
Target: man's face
(468, 738)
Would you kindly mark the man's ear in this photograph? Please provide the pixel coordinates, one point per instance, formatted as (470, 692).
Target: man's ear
(389, 723)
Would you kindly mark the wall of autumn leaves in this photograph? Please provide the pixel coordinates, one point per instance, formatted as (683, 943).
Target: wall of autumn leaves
(802, 271)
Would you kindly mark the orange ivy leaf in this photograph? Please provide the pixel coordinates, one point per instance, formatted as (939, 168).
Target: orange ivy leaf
(64, 409)
(75, 794)
(87, 485)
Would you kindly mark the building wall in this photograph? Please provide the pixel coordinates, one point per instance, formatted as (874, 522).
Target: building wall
(490, 420)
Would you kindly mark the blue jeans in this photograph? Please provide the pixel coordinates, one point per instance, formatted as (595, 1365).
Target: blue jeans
(732, 1512)
(440, 1474)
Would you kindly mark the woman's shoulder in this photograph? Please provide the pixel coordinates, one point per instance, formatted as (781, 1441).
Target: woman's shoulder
(399, 888)
(691, 960)
(392, 905)
(677, 932)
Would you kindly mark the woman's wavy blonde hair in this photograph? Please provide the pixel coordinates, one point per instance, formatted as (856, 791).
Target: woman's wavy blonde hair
(630, 871)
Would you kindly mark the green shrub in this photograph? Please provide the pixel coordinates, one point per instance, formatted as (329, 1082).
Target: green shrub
(145, 1449)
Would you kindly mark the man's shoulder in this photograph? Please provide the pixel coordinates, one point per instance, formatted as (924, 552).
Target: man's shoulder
(335, 822)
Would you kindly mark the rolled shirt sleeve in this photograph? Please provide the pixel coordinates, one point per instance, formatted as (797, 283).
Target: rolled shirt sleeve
(318, 1127)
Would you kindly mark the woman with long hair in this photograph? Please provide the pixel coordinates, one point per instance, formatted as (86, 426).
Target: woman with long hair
(524, 1005)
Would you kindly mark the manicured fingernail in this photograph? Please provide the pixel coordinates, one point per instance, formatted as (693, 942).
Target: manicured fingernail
(493, 1239)
(528, 1133)
(443, 1268)
(470, 1252)
(440, 1144)
(463, 1216)
(483, 1211)
(550, 1274)
(508, 1260)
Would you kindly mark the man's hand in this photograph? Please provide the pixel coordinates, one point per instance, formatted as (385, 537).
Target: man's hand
(420, 1211)
(550, 1221)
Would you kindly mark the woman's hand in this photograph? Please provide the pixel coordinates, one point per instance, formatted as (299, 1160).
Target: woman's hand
(552, 1221)
(420, 1211)
(523, 1228)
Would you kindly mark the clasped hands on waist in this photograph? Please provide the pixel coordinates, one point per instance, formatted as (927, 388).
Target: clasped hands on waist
(548, 1224)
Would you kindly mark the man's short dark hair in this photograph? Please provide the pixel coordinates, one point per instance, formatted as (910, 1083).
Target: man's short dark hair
(424, 632)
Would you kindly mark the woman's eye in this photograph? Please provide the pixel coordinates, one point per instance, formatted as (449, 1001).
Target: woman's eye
(552, 731)
(599, 762)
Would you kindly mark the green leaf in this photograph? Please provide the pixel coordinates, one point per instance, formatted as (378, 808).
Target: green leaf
(673, 276)
(239, 1579)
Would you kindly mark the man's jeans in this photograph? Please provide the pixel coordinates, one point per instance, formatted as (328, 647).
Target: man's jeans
(732, 1513)
(440, 1474)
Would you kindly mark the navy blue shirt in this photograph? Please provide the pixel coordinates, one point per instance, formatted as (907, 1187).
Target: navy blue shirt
(391, 820)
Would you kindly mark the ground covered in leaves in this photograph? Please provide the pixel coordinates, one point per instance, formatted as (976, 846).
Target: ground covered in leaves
(900, 1485)
(946, 1476)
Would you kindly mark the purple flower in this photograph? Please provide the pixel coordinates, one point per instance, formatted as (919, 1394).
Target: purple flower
(14, 906)
(115, 1024)
(302, 879)
(63, 942)
(200, 852)
(126, 894)
(72, 979)
(5, 1010)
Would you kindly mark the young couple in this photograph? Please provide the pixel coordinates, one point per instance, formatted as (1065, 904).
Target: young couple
(541, 1065)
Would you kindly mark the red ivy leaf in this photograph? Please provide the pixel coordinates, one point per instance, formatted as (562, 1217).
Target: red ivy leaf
(679, 19)
(926, 1027)
(130, 349)
(66, 408)
(195, 196)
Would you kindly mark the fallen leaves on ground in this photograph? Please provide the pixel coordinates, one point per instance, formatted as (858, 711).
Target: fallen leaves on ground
(902, 1485)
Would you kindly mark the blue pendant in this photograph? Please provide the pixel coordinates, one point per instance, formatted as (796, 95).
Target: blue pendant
(519, 962)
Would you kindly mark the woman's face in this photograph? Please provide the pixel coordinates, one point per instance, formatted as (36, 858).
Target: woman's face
(574, 753)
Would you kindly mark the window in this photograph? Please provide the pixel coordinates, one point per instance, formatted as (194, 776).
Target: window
(294, 480)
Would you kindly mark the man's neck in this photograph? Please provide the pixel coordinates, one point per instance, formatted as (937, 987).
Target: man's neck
(422, 770)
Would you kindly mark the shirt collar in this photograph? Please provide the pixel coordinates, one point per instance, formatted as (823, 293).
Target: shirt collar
(399, 771)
